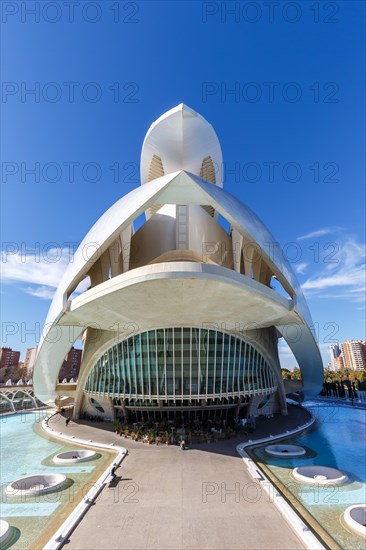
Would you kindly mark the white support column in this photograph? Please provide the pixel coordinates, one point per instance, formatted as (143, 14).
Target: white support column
(237, 241)
(125, 243)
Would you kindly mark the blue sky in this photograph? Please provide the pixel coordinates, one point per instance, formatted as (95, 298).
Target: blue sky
(282, 85)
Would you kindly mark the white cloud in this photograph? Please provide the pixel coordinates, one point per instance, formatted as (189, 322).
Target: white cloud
(44, 292)
(44, 268)
(355, 276)
(41, 270)
(300, 268)
(346, 279)
(320, 232)
(354, 297)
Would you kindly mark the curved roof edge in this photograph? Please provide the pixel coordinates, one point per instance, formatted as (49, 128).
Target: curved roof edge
(180, 139)
(182, 187)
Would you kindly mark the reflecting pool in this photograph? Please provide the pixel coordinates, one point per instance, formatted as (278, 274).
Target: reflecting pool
(26, 450)
(337, 439)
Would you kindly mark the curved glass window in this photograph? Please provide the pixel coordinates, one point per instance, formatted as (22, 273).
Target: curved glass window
(185, 363)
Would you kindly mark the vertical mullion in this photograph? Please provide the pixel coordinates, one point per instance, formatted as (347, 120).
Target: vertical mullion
(129, 365)
(265, 374)
(182, 360)
(199, 364)
(116, 366)
(255, 369)
(165, 380)
(109, 372)
(157, 363)
(110, 388)
(148, 360)
(100, 380)
(207, 354)
(249, 369)
(123, 369)
(173, 338)
(260, 384)
(245, 388)
(259, 368)
(262, 374)
(94, 377)
(228, 370)
(239, 366)
(106, 374)
(117, 386)
(141, 368)
(110, 366)
(214, 369)
(97, 378)
(222, 361)
(134, 364)
(92, 380)
(234, 366)
(190, 363)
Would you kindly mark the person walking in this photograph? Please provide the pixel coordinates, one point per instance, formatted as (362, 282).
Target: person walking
(113, 472)
(67, 421)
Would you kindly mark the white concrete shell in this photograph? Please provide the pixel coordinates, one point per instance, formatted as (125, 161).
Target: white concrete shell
(152, 293)
(182, 139)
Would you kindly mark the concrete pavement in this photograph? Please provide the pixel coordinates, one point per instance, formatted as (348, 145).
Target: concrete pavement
(171, 499)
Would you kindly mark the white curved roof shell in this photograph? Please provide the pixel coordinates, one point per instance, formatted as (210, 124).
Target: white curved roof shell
(181, 187)
(182, 139)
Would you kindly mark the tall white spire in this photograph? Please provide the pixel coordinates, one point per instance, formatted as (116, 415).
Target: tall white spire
(181, 139)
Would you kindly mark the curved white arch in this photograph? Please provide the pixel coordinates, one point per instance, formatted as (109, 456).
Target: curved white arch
(8, 400)
(177, 188)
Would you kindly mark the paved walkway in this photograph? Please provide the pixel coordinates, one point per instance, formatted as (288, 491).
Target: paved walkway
(202, 498)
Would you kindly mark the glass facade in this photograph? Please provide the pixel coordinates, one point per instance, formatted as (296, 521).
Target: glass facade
(181, 363)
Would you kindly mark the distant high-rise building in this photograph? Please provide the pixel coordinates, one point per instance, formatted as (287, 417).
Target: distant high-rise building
(30, 358)
(71, 365)
(354, 354)
(338, 363)
(8, 358)
(335, 355)
(21, 366)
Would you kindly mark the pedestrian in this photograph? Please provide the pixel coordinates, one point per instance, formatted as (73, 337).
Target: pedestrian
(67, 421)
(113, 471)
